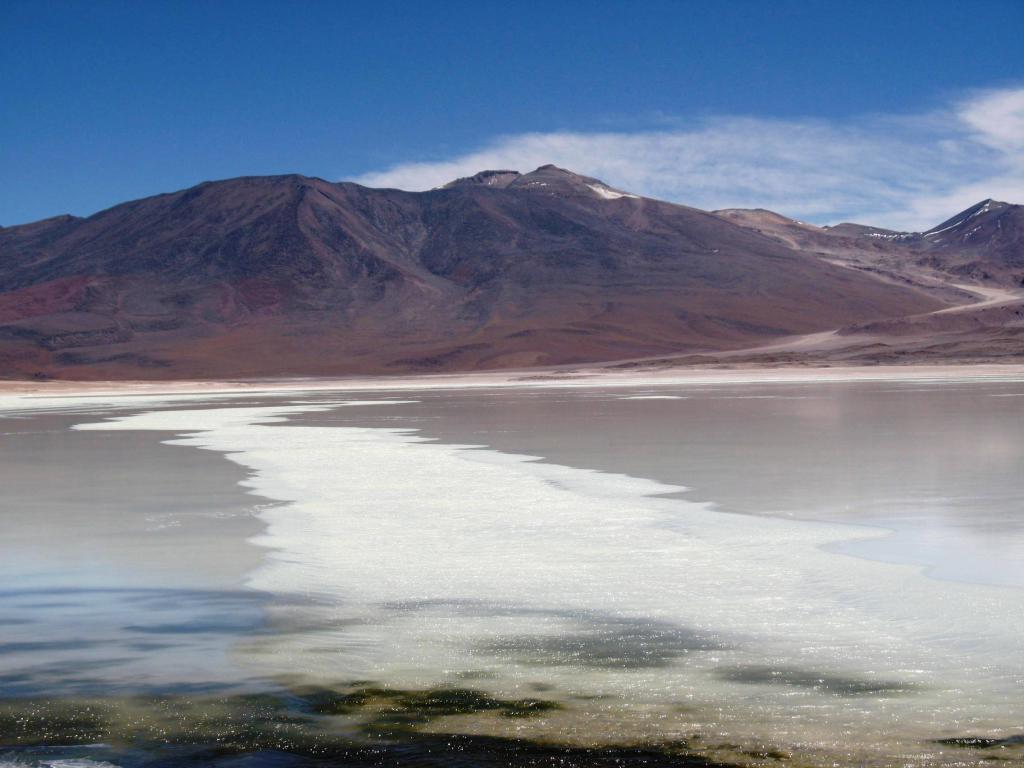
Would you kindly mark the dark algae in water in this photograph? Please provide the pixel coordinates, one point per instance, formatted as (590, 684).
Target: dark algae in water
(759, 674)
(363, 726)
(54, 722)
(981, 742)
(414, 707)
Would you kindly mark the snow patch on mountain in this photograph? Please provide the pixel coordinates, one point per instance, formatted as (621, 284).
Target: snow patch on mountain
(610, 194)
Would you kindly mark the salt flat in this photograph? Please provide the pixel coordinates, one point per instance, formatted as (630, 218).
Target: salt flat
(589, 546)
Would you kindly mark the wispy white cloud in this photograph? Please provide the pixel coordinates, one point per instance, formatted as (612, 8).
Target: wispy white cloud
(903, 172)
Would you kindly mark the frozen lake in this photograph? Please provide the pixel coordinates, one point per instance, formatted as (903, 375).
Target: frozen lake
(741, 574)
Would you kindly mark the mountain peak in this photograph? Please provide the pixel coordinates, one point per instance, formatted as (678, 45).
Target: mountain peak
(952, 226)
(547, 179)
(553, 171)
(500, 179)
(553, 180)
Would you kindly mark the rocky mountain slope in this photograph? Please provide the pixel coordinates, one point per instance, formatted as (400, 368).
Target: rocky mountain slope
(976, 257)
(289, 275)
(984, 243)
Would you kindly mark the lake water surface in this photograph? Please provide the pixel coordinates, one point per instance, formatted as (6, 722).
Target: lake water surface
(792, 574)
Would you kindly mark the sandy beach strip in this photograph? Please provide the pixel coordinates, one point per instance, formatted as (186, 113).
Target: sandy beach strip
(582, 376)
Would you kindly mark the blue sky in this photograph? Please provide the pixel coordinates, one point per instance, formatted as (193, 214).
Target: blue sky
(822, 110)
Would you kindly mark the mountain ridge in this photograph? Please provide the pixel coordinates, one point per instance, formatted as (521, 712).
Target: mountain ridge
(983, 242)
(292, 274)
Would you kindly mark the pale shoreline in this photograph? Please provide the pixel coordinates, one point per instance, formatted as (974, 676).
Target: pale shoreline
(529, 378)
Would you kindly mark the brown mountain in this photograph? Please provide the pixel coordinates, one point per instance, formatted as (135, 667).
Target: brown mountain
(976, 257)
(285, 275)
(984, 243)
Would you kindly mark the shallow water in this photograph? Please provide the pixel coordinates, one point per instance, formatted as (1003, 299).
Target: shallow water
(768, 573)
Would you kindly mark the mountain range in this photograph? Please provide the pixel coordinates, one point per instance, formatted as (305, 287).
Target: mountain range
(292, 275)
